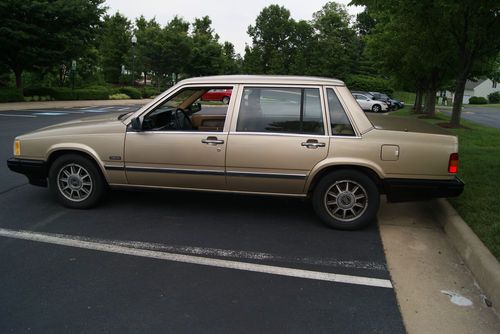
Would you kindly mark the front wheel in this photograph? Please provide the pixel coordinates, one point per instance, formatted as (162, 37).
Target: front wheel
(225, 100)
(376, 108)
(346, 200)
(76, 182)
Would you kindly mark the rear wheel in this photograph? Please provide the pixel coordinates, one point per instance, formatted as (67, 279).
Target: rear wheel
(346, 199)
(225, 99)
(76, 182)
(376, 108)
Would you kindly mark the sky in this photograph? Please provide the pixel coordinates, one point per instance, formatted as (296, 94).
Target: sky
(230, 19)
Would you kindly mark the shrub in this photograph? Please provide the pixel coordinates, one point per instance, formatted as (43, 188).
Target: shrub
(130, 91)
(10, 95)
(65, 94)
(38, 91)
(369, 84)
(494, 97)
(119, 96)
(477, 100)
(149, 91)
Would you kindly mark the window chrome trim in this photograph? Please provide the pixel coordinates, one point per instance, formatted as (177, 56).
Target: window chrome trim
(203, 133)
(237, 107)
(346, 111)
(280, 134)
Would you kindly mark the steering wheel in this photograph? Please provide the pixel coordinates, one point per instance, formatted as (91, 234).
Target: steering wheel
(182, 119)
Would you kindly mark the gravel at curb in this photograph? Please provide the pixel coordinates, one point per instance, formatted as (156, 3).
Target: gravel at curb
(483, 265)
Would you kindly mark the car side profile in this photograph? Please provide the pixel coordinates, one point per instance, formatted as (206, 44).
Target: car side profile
(368, 103)
(222, 95)
(279, 135)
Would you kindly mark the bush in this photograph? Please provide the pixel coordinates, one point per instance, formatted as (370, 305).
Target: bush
(149, 91)
(477, 100)
(494, 97)
(119, 96)
(66, 94)
(38, 91)
(369, 84)
(10, 95)
(130, 91)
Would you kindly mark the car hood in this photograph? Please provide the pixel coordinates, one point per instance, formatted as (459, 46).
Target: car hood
(94, 124)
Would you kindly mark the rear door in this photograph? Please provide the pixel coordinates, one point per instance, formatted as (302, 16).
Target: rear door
(278, 136)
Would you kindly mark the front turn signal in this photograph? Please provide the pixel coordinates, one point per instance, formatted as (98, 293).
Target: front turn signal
(453, 164)
(17, 147)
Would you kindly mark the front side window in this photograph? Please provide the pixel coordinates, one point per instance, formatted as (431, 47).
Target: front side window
(186, 111)
(281, 110)
(341, 126)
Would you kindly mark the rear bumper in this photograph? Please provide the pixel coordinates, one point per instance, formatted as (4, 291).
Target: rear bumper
(35, 170)
(403, 190)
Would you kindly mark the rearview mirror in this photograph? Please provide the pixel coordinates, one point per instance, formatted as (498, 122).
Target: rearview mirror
(136, 124)
(195, 107)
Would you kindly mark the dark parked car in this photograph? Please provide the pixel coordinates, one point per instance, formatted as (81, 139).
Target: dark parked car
(393, 103)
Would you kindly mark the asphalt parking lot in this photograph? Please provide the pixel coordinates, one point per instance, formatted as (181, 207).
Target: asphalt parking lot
(183, 262)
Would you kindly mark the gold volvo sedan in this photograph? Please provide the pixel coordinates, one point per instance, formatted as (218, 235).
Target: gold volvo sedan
(278, 135)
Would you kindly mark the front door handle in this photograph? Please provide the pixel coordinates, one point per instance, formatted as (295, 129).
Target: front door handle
(312, 143)
(212, 140)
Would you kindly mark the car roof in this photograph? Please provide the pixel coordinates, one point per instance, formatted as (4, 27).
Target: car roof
(263, 79)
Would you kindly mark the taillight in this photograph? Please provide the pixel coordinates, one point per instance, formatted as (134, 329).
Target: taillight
(453, 164)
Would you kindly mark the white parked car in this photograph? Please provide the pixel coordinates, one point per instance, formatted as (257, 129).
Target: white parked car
(368, 104)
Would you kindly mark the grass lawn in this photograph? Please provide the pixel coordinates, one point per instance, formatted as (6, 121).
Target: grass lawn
(479, 168)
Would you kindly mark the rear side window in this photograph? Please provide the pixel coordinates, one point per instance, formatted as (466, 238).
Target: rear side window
(282, 110)
(341, 126)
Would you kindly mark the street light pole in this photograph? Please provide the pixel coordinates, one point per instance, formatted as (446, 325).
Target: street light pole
(134, 42)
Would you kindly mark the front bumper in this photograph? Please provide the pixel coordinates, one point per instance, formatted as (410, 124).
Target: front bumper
(35, 170)
(404, 190)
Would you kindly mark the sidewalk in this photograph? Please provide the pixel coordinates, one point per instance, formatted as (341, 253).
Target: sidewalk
(68, 104)
(434, 287)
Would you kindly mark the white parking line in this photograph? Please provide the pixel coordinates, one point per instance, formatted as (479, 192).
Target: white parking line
(11, 115)
(99, 245)
(250, 255)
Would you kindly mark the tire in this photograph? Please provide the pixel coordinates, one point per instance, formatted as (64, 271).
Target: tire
(352, 185)
(226, 99)
(376, 108)
(76, 182)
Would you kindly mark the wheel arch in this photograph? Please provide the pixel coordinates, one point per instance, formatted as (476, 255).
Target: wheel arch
(374, 174)
(58, 151)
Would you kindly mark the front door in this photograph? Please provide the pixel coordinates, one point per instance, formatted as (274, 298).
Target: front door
(175, 148)
(278, 138)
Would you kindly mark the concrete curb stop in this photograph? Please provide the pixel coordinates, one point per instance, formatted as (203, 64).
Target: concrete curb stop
(483, 265)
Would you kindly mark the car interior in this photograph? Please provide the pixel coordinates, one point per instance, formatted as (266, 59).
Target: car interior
(184, 112)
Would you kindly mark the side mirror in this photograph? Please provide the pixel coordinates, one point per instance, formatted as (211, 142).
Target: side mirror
(136, 124)
(195, 107)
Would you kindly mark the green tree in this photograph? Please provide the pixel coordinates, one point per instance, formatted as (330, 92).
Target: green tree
(338, 46)
(473, 27)
(44, 33)
(207, 53)
(148, 45)
(408, 44)
(114, 45)
(231, 62)
(270, 52)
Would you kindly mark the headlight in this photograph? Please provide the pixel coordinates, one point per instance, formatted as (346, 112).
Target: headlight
(17, 147)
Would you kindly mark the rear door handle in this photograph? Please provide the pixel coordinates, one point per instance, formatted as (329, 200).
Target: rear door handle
(312, 143)
(211, 140)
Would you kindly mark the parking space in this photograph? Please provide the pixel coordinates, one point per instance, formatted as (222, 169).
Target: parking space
(165, 261)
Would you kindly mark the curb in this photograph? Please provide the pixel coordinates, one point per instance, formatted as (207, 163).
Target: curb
(483, 265)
